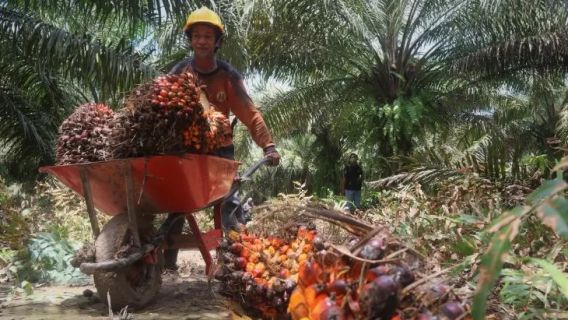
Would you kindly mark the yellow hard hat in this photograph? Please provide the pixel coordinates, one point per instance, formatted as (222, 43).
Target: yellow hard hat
(203, 15)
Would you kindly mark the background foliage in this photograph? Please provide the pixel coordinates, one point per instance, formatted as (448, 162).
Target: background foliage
(457, 109)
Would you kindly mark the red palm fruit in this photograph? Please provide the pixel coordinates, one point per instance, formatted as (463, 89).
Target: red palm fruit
(284, 273)
(326, 309)
(338, 287)
(278, 286)
(318, 243)
(245, 252)
(355, 268)
(241, 263)
(279, 304)
(451, 310)
(376, 272)
(237, 275)
(314, 294)
(236, 248)
(298, 307)
(374, 249)
(403, 276)
(247, 276)
(424, 316)
(289, 285)
(309, 273)
(302, 232)
(379, 299)
(260, 289)
(259, 268)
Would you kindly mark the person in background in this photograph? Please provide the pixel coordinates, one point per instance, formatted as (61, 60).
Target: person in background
(351, 182)
(225, 89)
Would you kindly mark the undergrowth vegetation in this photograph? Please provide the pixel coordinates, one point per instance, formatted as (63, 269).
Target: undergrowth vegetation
(505, 243)
(40, 231)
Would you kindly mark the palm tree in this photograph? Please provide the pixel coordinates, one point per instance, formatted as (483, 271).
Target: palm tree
(387, 72)
(57, 54)
(511, 36)
(382, 56)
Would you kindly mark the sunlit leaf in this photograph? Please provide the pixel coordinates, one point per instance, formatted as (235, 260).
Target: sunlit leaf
(554, 213)
(558, 276)
(548, 189)
(491, 264)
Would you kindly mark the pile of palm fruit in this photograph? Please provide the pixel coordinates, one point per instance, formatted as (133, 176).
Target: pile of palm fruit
(83, 135)
(165, 116)
(263, 272)
(305, 277)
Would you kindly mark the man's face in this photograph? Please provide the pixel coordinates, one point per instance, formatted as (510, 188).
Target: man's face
(203, 41)
(353, 159)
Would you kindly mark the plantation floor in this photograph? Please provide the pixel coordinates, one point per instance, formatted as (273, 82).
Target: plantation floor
(185, 296)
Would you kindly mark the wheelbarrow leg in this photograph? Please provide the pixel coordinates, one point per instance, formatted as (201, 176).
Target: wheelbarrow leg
(217, 216)
(89, 201)
(131, 205)
(205, 242)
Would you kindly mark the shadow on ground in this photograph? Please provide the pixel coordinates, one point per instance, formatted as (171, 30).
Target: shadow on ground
(186, 295)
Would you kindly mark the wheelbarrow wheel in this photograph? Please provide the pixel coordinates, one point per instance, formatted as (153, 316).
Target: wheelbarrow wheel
(134, 285)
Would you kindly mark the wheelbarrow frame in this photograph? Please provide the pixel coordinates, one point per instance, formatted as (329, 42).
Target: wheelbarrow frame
(204, 241)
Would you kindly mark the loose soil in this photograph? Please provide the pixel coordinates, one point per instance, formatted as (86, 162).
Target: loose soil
(185, 295)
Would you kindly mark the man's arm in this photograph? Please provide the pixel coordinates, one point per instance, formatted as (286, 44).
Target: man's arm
(248, 114)
(245, 110)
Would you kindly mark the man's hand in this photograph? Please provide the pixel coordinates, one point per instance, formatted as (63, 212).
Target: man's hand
(272, 155)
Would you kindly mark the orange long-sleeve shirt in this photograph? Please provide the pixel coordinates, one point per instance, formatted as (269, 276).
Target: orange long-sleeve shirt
(226, 92)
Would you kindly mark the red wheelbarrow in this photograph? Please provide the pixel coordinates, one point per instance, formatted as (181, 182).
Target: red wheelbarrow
(128, 249)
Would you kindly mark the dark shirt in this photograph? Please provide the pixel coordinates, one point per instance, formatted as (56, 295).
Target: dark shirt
(353, 175)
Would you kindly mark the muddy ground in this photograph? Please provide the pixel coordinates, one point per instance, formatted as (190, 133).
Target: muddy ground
(186, 295)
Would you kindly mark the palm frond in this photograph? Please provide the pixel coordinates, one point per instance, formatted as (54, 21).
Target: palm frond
(512, 35)
(424, 175)
(299, 108)
(113, 66)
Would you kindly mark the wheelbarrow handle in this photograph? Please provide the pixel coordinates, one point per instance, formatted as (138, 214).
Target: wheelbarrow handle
(247, 174)
(250, 171)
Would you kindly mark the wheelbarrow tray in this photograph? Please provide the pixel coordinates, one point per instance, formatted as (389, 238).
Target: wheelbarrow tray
(161, 184)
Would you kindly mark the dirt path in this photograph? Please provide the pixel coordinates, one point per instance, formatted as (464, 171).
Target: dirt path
(185, 296)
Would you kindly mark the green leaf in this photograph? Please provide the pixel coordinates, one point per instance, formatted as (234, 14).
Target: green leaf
(491, 264)
(554, 213)
(558, 276)
(548, 189)
(464, 247)
(27, 286)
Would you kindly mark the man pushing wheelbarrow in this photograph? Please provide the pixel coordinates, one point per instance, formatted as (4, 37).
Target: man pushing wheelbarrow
(225, 89)
(168, 150)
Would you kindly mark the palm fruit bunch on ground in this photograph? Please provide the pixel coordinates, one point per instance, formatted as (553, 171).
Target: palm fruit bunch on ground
(164, 117)
(308, 278)
(336, 286)
(83, 135)
(262, 272)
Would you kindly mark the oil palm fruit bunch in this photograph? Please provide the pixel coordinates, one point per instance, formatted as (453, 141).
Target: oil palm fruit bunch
(302, 277)
(83, 135)
(332, 285)
(218, 131)
(335, 286)
(178, 92)
(262, 272)
(164, 117)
